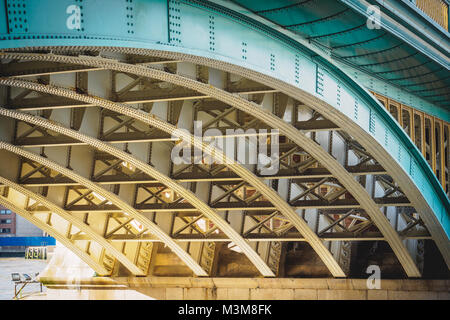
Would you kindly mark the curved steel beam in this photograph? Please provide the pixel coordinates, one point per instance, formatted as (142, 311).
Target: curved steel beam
(246, 174)
(135, 214)
(76, 222)
(342, 120)
(369, 142)
(292, 133)
(84, 256)
(358, 192)
(382, 156)
(263, 39)
(252, 255)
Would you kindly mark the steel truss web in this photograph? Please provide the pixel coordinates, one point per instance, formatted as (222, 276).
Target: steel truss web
(283, 209)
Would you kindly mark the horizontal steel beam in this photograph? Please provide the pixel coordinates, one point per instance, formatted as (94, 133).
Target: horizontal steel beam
(40, 68)
(293, 134)
(289, 237)
(237, 206)
(131, 97)
(33, 68)
(227, 178)
(316, 125)
(128, 137)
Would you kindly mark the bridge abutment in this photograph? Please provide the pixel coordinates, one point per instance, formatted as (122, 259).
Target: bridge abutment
(190, 288)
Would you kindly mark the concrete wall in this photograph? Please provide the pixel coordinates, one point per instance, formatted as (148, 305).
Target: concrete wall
(24, 228)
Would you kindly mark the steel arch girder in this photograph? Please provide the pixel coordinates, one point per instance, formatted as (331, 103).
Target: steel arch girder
(84, 256)
(269, 193)
(94, 236)
(188, 195)
(261, 39)
(421, 201)
(135, 214)
(292, 133)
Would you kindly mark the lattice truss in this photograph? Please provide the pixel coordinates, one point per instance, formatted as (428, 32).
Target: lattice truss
(316, 195)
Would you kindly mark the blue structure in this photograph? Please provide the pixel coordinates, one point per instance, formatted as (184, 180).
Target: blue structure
(27, 241)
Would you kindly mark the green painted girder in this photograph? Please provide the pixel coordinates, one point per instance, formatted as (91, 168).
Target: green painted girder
(397, 94)
(337, 26)
(204, 29)
(275, 5)
(407, 13)
(308, 16)
(426, 36)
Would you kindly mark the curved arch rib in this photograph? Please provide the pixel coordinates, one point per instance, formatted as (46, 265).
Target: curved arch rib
(315, 242)
(135, 214)
(76, 222)
(187, 194)
(343, 121)
(383, 157)
(358, 192)
(84, 256)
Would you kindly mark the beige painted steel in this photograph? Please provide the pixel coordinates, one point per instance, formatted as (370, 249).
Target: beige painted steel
(363, 137)
(84, 256)
(368, 142)
(76, 222)
(292, 133)
(248, 176)
(185, 193)
(135, 214)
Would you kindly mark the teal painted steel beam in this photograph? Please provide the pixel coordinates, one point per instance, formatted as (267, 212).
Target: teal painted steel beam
(419, 13)
(432, 44)
(204, 29)
(358, 74)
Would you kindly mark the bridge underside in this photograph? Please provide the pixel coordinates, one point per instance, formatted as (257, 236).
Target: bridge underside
(86, 143)
(65, 278)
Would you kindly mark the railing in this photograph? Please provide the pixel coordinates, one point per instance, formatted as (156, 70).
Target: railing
(23, 279)
(430, 134)
(436, 10)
